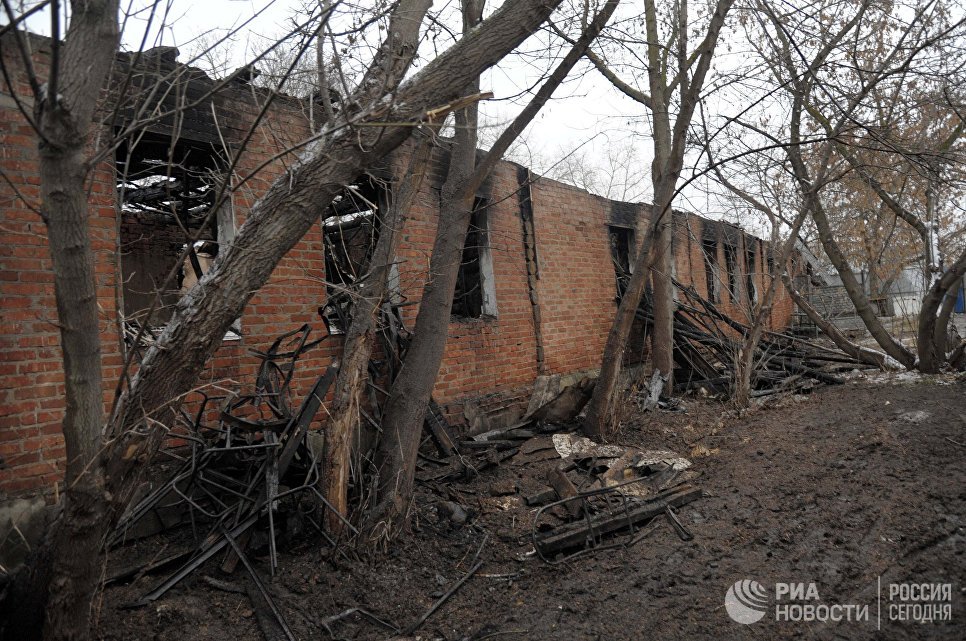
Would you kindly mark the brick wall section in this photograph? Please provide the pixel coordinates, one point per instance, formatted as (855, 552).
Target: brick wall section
(690, 266)
(31, 399)
(490, 363)
(577, 288)
(495, 355)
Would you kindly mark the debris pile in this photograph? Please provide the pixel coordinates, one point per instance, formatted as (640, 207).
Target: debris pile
(247, 481)
(597, 496)
(602, 495)
(707, 345)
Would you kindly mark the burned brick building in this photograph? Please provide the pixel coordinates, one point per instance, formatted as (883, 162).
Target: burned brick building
(538, 288)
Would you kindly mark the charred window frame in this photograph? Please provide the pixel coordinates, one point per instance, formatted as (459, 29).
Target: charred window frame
(475, 294)
(752, 248)
(350, 231)
(621, 244)
(166, 189)
(731, 264)
(712, 271)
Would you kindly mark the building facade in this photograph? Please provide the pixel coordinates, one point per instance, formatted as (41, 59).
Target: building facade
(538, 288)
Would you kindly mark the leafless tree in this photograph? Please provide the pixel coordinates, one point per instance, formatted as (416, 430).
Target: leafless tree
(107, 454)
(835, 90)
(676, 75)
(410, 393)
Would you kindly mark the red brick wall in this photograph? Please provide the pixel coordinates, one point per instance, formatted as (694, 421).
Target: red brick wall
(491, 361)
(690, 268)
(31, 399)
(577, 288)
(495, 355)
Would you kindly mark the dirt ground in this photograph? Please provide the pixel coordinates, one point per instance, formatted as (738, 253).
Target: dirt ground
(850, 488)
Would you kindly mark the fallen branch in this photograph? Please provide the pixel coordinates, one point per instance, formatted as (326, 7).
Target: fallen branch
(327, 622)
(436, 606)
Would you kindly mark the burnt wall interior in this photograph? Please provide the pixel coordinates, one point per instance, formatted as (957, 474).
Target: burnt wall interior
(166, 191)
(350, 232)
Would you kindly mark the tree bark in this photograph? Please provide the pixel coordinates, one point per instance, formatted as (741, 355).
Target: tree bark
(930, 358)
(344, 417)
(410, 393)
(64, 115)
(665, 170)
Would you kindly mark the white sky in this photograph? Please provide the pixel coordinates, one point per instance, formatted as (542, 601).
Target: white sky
(587, 116)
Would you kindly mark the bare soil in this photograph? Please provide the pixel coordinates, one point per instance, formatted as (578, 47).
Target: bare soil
(846, 488)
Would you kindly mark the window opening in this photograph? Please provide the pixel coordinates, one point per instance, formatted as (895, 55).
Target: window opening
(475, 295)
(621, 242)
(712, 272)
(166, 192)
(750, 247)
(731, 264)
(349, 235)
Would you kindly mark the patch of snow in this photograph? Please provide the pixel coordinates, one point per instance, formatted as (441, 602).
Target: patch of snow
(915, 417)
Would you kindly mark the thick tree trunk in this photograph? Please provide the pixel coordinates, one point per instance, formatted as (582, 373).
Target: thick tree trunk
(854, 289)
(930, 358)
(410, 394)
(665, 169)
(74, 576)
(64, 116)
(944, 330)
(859, 353)
(344, 417)
(662, 335)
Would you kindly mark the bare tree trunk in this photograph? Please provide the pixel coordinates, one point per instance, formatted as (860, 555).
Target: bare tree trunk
(602, 406)
(854, 289)
(63, 112)
(344, 417)
(859, 353)
(656, 260)
(665, 169)
(410, 394)
(662, 335)
(930, 358)
(944, 330)
(746, 357)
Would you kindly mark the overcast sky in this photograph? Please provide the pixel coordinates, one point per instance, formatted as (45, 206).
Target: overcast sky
(587, 117)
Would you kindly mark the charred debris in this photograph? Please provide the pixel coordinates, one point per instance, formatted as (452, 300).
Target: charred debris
(243, 471)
